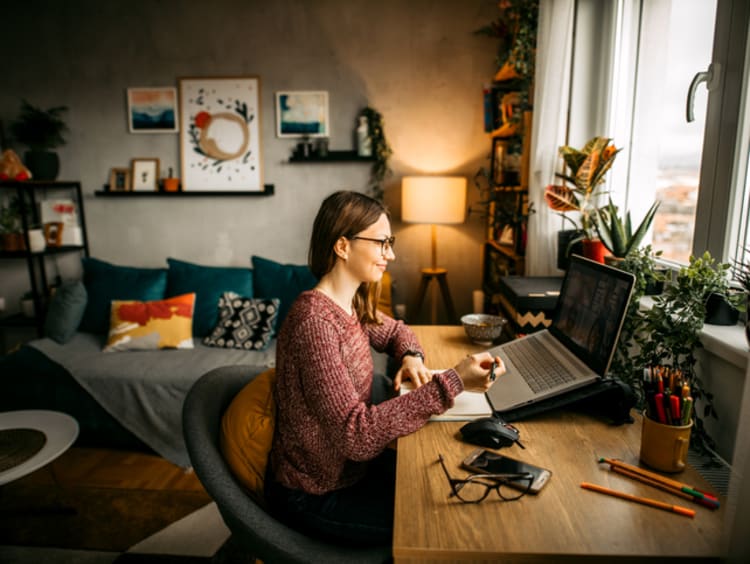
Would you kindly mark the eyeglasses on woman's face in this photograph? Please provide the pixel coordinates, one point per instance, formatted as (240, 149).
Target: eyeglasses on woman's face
(478, 486)
(386, 244)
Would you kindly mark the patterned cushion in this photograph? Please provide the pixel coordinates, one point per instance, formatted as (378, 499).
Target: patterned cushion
(151, 325)
(244, 323)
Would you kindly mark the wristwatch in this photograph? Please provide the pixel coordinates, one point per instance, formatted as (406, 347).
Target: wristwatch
(412, 353)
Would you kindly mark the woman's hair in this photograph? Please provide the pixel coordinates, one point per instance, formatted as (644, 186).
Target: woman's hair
(344, 214)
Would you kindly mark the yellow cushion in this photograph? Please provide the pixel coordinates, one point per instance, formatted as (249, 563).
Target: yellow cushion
(247, 432)
(158, 324)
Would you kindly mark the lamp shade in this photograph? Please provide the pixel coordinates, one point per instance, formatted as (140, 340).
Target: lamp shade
(433, 199)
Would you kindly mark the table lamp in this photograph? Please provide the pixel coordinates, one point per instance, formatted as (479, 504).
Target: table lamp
(434, 200)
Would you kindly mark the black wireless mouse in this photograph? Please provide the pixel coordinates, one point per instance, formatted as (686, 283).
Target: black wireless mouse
(491, 432)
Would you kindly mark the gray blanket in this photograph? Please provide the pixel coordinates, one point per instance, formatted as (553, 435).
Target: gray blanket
(144, 390)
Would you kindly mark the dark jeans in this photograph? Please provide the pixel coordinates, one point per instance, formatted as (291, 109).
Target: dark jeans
(361, 514)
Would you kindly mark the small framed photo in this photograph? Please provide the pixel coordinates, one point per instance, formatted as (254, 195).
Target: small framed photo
(145, 175)
(302, 114)
(152, 110)
(119, 180)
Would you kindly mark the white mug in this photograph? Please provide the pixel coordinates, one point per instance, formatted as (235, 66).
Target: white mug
(36, 240)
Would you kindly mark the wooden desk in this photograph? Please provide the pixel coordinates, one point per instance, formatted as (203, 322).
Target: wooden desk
(563, 522)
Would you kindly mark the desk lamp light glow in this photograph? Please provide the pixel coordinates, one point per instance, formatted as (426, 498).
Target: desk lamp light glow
(434, 200)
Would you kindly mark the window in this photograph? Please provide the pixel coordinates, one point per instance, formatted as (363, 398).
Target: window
(651, 51)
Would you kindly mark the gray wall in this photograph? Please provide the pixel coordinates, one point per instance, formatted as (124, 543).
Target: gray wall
(417, 62)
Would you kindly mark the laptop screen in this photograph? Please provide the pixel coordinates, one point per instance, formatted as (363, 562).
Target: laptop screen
(590, 311)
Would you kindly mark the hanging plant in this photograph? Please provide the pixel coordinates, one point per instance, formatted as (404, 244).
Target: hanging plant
(381, 150)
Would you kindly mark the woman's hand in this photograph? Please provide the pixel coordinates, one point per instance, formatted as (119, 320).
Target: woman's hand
(475, 371)
(412, 368)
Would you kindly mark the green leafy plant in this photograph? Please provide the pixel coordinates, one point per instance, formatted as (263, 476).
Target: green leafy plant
(670, 331)
(587, 167)
(380, 149)
(10, 216)
(642, 263)
(516, 29)
(618, 235)
(40, 130)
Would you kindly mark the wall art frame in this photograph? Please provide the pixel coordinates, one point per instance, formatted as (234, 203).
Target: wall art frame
(220, 145)
(302, 113)
(144, 174)
(153, 110)
(119, 180)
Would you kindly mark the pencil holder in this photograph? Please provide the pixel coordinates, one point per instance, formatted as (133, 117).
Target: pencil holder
(664, 447)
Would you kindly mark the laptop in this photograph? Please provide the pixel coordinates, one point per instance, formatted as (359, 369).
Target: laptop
(578, 346)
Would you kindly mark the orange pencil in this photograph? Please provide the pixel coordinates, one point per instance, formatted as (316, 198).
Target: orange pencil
(710, 503)
(644, 500)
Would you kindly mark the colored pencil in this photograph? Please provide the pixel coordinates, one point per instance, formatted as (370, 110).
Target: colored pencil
(711, 504)
(643, 500)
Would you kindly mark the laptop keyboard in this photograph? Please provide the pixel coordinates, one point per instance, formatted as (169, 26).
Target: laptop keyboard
(541, 372)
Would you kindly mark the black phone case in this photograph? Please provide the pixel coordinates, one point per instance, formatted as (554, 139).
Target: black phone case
(537, 471)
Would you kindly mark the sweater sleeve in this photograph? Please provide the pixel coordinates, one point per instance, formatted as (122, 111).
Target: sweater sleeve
(393, 337)
(361, 431)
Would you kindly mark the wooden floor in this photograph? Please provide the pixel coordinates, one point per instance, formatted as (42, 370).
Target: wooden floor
(90, 467)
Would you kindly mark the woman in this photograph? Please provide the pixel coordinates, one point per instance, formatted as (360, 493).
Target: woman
(330, 474)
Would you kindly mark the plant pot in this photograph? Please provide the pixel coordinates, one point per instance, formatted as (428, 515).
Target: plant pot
(654, 287)
(44, 165)
(565, 249)
(13, 242)
(594, 249)
(612, 260)
(719, 311)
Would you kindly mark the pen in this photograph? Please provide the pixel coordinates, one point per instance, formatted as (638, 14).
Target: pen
(492, 371)
(637, 499)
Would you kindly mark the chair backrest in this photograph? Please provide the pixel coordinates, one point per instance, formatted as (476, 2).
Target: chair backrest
(252, 527)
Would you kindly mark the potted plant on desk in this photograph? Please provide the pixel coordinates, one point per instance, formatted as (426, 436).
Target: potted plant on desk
(669, 332)
(588, 167)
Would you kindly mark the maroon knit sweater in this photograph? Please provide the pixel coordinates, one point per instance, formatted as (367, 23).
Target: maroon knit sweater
(326, 426)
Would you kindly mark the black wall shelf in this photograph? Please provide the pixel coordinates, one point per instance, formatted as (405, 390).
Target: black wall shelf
(332, 157)
(268, 190)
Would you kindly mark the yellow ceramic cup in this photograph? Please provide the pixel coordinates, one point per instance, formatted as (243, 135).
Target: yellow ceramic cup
(664, 447)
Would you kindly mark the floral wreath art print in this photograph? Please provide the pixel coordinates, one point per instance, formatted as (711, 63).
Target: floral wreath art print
(220, 134)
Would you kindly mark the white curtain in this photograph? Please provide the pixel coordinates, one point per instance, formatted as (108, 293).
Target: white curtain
(552, 85)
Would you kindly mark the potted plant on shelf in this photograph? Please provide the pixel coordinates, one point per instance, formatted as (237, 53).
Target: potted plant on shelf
(11, 236)
(41, 131)
(381, 150)
(587, 167)
(741, 272)
(617, 235)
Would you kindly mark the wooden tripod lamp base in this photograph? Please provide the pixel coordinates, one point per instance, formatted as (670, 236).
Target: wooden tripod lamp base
(441, 275)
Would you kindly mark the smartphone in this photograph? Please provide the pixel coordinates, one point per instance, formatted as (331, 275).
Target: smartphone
(487, 462)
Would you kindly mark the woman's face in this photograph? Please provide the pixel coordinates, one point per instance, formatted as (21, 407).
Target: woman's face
(369, 256)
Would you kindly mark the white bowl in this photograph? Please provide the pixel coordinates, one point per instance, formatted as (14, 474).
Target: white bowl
(483, 328)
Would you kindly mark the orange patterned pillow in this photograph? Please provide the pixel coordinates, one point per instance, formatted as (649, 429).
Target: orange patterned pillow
(152, 325)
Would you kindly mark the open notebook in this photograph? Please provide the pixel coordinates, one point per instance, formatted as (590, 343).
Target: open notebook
(466, 407)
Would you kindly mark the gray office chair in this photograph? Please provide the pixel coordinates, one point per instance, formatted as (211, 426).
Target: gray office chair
(254, 531)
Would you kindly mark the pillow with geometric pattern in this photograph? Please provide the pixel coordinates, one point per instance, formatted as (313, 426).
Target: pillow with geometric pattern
(244, 323)
(158, 324)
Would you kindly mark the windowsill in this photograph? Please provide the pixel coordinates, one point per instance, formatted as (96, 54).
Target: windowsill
(725, 341)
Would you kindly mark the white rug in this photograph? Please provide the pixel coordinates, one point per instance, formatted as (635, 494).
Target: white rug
(200, 533)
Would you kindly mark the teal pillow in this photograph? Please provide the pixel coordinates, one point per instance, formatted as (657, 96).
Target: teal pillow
(282, 281)
(106, 282)
(65, 312)
(209, 283)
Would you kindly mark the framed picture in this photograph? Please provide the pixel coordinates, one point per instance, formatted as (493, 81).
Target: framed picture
(152, 110)
(119, 180)
(302, 114)
(145, 175)
(220, 134)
